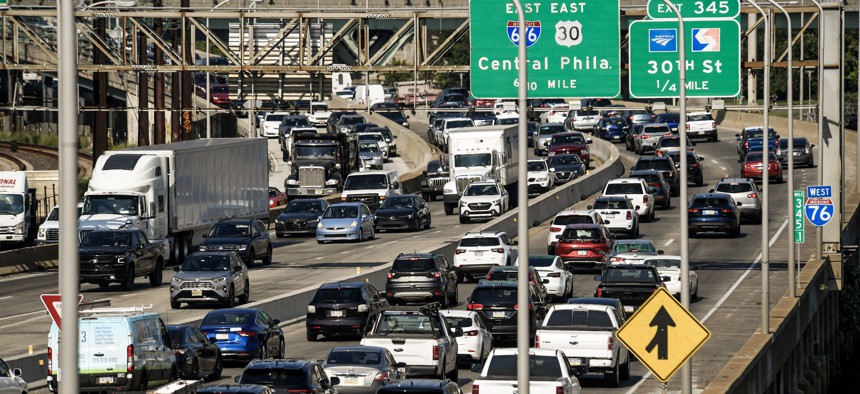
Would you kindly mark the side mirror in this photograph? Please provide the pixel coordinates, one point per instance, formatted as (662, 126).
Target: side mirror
(276, 321)
(589, 207)
(711, 191)
(637, 207)
(812, 145)
(598, 277)
(660, 251)
(545, 281)
(334, 380)
(665, 278)
(558, 236)
(176, 268)
(477, 367)
(236, 379)
(515, 243)
(17, 372)
(701, 158)
(589, 141)
(237, 269)
(212, 340)
(205, 235)
(739, 203)
(605, 222)
(152, 208)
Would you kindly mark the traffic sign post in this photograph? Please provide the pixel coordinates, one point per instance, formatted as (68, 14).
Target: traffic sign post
(53, 303)
(662, 334)
(819, 206)
(573, 49)
(695, 9)
(713, 62)
(798, 217)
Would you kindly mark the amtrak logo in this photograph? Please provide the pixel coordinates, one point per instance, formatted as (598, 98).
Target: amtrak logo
(662, 40)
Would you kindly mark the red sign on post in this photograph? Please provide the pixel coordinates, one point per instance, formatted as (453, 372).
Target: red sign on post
(53, 303)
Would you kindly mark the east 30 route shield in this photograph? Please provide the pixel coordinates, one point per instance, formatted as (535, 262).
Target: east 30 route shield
(713, 58)
(662, 334)
(573, 48)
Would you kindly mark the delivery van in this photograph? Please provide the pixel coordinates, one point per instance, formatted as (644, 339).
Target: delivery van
(120, 349)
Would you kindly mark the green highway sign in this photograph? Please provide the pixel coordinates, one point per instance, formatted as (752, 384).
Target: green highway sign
(798, 216)
(695, 9)
(4, 5)
(573, 48)
(713, 58)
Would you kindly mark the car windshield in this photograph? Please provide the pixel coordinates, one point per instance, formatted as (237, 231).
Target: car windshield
(563, 220)
(93, 205)
(404, 323)
(483, 114)
(359, 182)
(413, 265)
(479, 242)
(623, 188)
(319, 107)
(373, 137)
(341, 212)
(315, 152)
(354, 358)
(660, 165)
(351, 120)
(799, 143)
(502, 296)
(434, 166)
(303, 207)
(342, 294)
(537, 165)
(220, 89)
(667, 118)
(581, 234)
(734, 187)
(583, 318)
(639, 247)
(757, 133)
(757, 156)
(612, 204)
(275, 377)
(568, 139)
(503, 275)
(541, 261)
(691, 157)
(177, 335)
(369, 147)
(614, 121)
(652, 179)
(275, 118)
(398, 202)
(507, 121)
(709, 202)
(296, 121)
(541, 368)
(670, 142)
(628, 275)
(225, 317)
(564, 160)
(699, 117)
(656, 130)
(198, 262)
(664, 263)
(107, 239)
(481, 190)
(231, 230)
(473, 160)
(456, 124)
(54, 215)
(457, 321)
(550, 129)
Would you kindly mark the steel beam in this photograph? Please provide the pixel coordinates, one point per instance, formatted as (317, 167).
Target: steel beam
(831, 103)
(434, 56)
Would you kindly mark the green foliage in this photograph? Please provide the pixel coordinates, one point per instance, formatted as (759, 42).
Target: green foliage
(200, 45)
(392, 77)
(83, 184)
(459, 53)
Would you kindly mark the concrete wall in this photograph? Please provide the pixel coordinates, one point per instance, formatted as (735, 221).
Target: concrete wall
(35, 258)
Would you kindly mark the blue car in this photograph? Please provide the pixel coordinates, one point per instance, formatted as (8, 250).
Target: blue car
(244, 333)
(612, 129)
(671, 119)
(349, 221)
(714, 212)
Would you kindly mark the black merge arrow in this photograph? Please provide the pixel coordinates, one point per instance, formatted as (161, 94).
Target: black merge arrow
(662, 321)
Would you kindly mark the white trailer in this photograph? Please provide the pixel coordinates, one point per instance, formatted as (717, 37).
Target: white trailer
(176, 192)
(481, 153)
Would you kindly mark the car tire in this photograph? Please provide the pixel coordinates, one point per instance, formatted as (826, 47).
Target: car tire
(312, 336)
(612, 377)
(143, 383)
(737, 232)
(279, 235)
(425, 196)
(195, 370)
(667, 204)
(128, 284)
(156, 275)
(550, 250)
(427, 223)
(463, 219)
(695, 295)
(360, 235)
(452, 300)
(103, 285)
(253, 257)
(246, 294)
(454, 375)
(625, 369)
(700, 181)
(268, 259)
(217, 370)
(264, 350)
(449, 209)
(175, 304)
(230, 300)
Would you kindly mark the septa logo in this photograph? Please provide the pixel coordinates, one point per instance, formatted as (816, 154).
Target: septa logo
(706, 40)
(662, 40)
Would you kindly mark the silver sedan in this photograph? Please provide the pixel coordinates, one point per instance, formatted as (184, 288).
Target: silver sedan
(361, 369)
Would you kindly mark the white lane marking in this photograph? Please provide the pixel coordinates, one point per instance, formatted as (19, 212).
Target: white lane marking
(436, 232)
(723, 298)
(23, 314)
(669, 242)
(318, 258)
(723, 168)
(5, 298)
(714, 161)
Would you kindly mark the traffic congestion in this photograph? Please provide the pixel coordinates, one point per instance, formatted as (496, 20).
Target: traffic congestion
(438, 322)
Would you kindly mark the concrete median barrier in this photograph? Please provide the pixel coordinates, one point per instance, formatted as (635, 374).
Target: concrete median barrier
(29, 259)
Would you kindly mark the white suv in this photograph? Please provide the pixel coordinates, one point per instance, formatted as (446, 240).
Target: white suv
(539, 178)
(483, 199)
(479, 252)
(569, 216)
(635, 189)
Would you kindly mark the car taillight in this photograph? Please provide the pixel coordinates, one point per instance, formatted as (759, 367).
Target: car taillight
(437, 275)
(391, 275)
(381, 377)
(726, 210)
(645, 199)
(694, 164)
(713, 124)
(555, 229)
(746, 145)
(752, 195)
(692, 210)
(537, 341)
(436, 350)
(599, 292)
(559, 390)
(475, 389)
(497, 250)
(659, 153)
(629, 215)
(554, 275)
(129, 358)
(475, 307)
(617, 259)
(246, 333)
(688, 126)
(471, 333)
(50, 361)
(610, 343)
(179, 351)
(644, 136)
(458, 251)
(517, 307)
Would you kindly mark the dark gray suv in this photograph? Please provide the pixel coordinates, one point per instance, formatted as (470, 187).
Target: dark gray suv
(249, 238)
(421, 277)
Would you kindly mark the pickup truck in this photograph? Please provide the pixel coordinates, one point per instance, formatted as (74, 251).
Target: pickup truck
(120, 256)
(586, 335)
(417, 336)
(548, 371)
(750, 140)
(630, 283)
(702, 124)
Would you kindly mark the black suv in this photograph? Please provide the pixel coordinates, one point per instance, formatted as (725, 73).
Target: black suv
(496, 301)
(342, 308)
(334, 118)
(666, 166)
(655, 179)
(294, 376)
(421, 386)
(421, 277)
(434, 180)
(248, 237)
(695, 173)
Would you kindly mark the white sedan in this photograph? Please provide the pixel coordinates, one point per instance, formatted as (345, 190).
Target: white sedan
(476, 342)
(671, 266)
(556, 278)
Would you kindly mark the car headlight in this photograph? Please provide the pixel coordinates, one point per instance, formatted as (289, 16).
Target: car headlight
(177, 279)
(497, 202)
(462, 203)
(219, 280)
(362, 308)
(292, 182)
(312, 309)
(353, 224)
(331, 182)
(19, 228)
(448, 191)
(409, 216)
(42, 232)
(541, 179)
(202, 248)
(344, 129)
(319, 225)
(241, 247)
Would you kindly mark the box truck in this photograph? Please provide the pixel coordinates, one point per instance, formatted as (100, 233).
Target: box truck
(176, 192)
(17, 210)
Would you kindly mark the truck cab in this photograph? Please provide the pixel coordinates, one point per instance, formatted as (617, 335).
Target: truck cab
(319, 164)
(17, 209)
(371, 187)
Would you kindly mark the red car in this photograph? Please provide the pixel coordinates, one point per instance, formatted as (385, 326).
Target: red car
(753, 164)
(277, 198)
(571, 142)
(584, 245)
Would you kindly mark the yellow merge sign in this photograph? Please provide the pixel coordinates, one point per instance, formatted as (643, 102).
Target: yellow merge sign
(662, 334)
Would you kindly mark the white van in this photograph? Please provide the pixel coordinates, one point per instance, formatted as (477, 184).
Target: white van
(369, 94)
(371, 187)
(120, 349)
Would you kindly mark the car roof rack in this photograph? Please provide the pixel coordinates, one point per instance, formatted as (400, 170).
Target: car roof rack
(119, 311)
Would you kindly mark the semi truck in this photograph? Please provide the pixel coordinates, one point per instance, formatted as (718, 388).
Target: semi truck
(175, 192)
(17, 210)
(320, 164)
(478, 154)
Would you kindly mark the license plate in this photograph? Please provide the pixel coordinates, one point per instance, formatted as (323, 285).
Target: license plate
(222, 336)
(498, 314)
(350, 380)
(628, 309)
(197, 293)
(106, 380)
(709, 212)
(479, 253)
(581, 253)
(574, 362)
(609, 216)
(616, 137)
(336, 313)
(318, 191)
